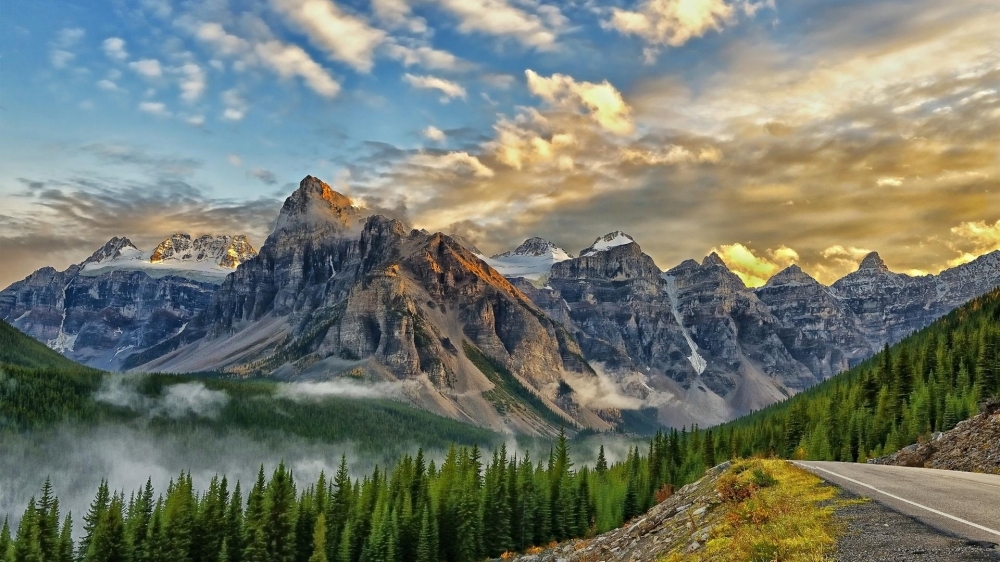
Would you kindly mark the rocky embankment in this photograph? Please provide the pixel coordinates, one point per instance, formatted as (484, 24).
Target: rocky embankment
(682, 522)
(973, 446)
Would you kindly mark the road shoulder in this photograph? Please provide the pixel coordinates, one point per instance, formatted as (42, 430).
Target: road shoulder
(873, 532)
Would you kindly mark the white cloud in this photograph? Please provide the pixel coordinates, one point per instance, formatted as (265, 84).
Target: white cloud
(195, 120)
(227, 44)
(114, 48)
(284, 59)
(427, 57)
(398, 15)
(673, 22)
(448, 89)
(155, 108)
(456, 161)
(108, 85)
(61, 58)
(433, 133)
(290, 60)
(150, 68)
(236, 106)
(67, 37)
(501, 18)
(602, 101)
(192, 81)
(890, 182)
(345, 37)
(235, 160)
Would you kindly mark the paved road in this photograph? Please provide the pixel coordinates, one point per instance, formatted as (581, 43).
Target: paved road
(961, 503)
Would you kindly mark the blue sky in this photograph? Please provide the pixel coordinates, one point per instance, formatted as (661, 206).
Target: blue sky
(770, 132)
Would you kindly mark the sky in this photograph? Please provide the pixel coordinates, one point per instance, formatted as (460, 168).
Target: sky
(769, 131)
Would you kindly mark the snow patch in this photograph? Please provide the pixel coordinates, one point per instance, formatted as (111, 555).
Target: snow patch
(532, 265)
(608, 241)
(697, 361)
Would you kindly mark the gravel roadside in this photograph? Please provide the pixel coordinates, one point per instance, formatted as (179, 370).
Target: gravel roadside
(875, 533)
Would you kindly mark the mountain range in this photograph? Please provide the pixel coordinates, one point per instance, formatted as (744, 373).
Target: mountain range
(522, 341)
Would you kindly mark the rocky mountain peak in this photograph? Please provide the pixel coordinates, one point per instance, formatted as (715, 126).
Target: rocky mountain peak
(608, 241)
(533, 247)
(314, 203)
(791, 275)
(873, 261)
(117, 247)
(713, 259)
(223, 250)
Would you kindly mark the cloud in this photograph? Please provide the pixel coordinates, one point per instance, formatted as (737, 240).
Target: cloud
(503, 19)
(235, 160)
(345, 37)
(890, 182)
(193, 81)
(155, 108)
(670, 154)
(108, 85)
(974, 239)
(114, 48)
(755, 270)
(236, 106)
(397, 14)
(286, 60)
(178, 401)
(433, 133)
(150, 68)
(265, 176)
(291, 60)
(306, 391)
(60, 58)
(448, 89)
(195, 120)
(425, 56)
(462, 162)
(674, 22)
(601, 101)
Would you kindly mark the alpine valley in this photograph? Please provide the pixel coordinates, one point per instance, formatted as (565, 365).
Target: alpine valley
(524, 341)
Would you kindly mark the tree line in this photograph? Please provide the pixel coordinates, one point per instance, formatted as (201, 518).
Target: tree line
(468, 508)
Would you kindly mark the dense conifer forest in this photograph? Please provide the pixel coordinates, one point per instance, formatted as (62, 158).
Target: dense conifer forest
(473, 505)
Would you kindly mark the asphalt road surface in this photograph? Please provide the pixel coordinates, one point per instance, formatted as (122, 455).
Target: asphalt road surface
(961, 503)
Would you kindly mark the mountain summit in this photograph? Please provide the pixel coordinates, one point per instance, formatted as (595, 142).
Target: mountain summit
(315, 203)
(873, 261)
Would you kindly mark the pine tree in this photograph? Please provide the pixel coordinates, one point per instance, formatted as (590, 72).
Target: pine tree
(709, 453)
(319, 540)
(6, 542)
(279, 531)
(602, 462)
(27, 547)
(93, 516)
(254, 540)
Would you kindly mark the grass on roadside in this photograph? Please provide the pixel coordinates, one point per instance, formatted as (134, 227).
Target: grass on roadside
(772, 511)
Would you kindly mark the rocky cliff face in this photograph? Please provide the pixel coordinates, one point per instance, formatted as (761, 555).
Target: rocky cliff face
(121, 300)
(333, 293)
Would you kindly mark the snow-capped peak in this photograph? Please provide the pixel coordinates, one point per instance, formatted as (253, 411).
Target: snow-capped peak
(608, 241)
(117, 248)
(206, 257)
(536, 247)
(532, 260)
(314, 204)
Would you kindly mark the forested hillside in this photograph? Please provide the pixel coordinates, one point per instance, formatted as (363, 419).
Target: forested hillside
(928, 382)
(40, 388)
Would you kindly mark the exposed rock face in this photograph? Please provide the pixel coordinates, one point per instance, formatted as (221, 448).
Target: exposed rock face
(226, 251)
(121, 300)
(973, 446)
(331, 293)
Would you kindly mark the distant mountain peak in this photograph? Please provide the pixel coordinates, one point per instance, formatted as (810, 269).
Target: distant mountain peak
(713, 259)
(313, 203)
(608, 241)
(223, 250)
(791, 275)
(873, 261)
(534, 247)
(117, 247)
